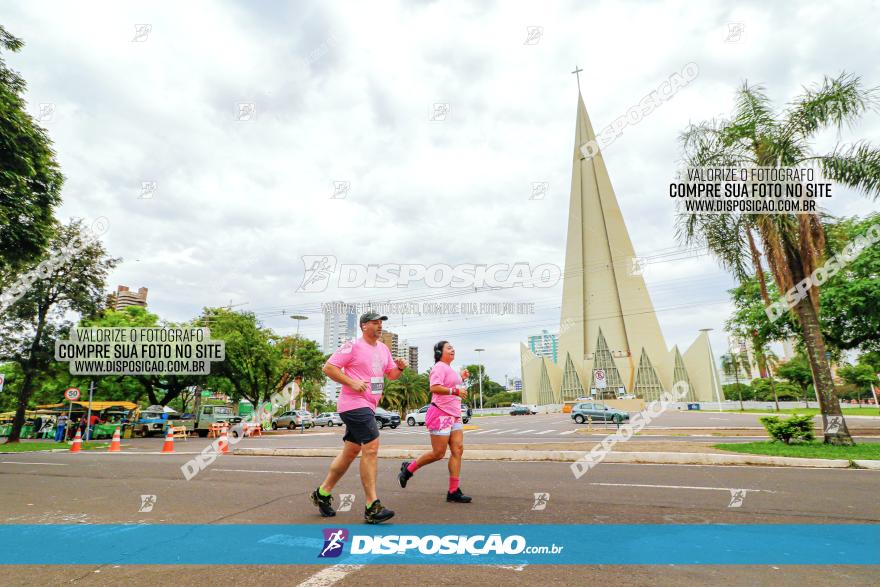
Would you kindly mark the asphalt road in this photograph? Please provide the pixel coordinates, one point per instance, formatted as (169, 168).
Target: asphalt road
(86, 488)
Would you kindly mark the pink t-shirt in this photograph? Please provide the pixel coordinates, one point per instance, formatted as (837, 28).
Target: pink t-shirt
(443, 374)
(360, 360)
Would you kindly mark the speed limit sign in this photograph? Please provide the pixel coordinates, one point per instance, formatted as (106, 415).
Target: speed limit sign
(600, 378)
(72, 394)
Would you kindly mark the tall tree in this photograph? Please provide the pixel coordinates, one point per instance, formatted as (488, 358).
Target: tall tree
(756, 136)
(254, 364)
(159, 389)
(797, 371)
(29, 328)
(30, 179)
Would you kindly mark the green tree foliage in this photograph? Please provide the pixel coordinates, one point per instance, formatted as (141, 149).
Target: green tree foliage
(29, 328)
(850, 301)
(30, 179)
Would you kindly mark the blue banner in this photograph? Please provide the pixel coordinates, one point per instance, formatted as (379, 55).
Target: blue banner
(583, 544)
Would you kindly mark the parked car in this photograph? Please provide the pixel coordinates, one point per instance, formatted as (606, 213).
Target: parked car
(418, 416)
(293, 419)
(597, 411)
(520, 411)
(531, 409)
(386, 418)
(328, 419)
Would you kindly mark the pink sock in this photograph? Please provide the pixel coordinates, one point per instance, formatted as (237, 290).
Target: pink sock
(412, 467)
(453, 484)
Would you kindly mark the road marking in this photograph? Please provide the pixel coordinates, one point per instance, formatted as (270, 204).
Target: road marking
(678, 487)
(525, 431)
(545, 432)
(488, 431)
(27, 463)
(330, 575)
(569, 432)
(258, 471)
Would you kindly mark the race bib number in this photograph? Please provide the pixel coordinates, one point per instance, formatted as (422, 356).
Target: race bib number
(377, 384)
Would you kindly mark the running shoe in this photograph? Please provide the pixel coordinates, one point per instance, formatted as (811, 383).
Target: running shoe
(322, 502)
(377, 513)
(404, 474)
(458, 497)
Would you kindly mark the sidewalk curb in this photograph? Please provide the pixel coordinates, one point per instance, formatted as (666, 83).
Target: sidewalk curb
(863, 464)
(566, 456)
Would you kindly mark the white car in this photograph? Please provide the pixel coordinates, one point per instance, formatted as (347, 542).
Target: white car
(328, 419)
(418, 417)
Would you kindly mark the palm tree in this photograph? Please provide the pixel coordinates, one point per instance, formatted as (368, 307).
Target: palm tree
(793, 244)
(408, 392)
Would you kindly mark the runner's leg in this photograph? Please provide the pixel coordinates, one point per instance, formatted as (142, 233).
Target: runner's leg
(456, 448)
(439, 443)
(340, 464)
(369, 464)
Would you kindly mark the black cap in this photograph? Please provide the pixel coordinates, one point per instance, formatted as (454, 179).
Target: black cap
(367, 316)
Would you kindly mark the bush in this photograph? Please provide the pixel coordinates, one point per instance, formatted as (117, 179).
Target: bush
(732, 391)
(798, 427)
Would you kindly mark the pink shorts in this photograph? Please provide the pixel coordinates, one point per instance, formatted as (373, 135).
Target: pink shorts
(440, 423)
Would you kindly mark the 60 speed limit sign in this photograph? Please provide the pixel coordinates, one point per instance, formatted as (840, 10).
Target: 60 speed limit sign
(72, 394)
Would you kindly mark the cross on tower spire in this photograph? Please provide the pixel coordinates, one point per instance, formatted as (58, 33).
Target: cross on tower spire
(577, 72)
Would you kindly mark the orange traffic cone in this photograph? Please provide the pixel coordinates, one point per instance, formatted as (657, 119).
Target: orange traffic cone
(223, 445)
(77, 442)
(116, 443)
(169, 441)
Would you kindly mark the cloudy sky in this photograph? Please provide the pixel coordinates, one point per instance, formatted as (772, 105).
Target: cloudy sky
(212, 136)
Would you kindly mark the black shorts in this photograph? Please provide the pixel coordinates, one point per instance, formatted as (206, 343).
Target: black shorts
(360, 425)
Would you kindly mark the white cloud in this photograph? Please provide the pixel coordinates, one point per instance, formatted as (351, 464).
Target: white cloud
(343, 92)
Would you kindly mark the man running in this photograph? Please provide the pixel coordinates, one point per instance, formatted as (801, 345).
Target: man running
(360, 366)
(443, 422)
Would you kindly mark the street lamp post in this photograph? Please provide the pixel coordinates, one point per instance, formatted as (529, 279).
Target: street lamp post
(302, 395)
(479, 358)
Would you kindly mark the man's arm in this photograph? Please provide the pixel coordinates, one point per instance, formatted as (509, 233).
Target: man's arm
(336, 374)
(399, 366)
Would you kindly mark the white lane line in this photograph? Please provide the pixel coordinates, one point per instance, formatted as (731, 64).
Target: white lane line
(258, 471)
(27, 463)
(330, 575)
(525, 431)
(678, 487)
(545, 432)
(505, 431)
(568, 432)
(488, 431)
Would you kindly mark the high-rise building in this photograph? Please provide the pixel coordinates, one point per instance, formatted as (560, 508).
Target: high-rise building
(124, 298)
(391, 341)
(339, 327)
(544, 345)
(413, 358)
(608, 322)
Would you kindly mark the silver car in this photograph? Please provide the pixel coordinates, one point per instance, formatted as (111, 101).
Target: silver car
(328, 419)
(293, 419)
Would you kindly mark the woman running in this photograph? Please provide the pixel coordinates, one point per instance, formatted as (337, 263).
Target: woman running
(443, 422)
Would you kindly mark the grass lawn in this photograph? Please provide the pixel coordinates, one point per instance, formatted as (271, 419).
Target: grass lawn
(816, 450)
(27, 446)
(847, 411)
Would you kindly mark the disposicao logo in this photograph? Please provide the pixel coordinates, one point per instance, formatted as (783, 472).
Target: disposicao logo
(334, 541)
